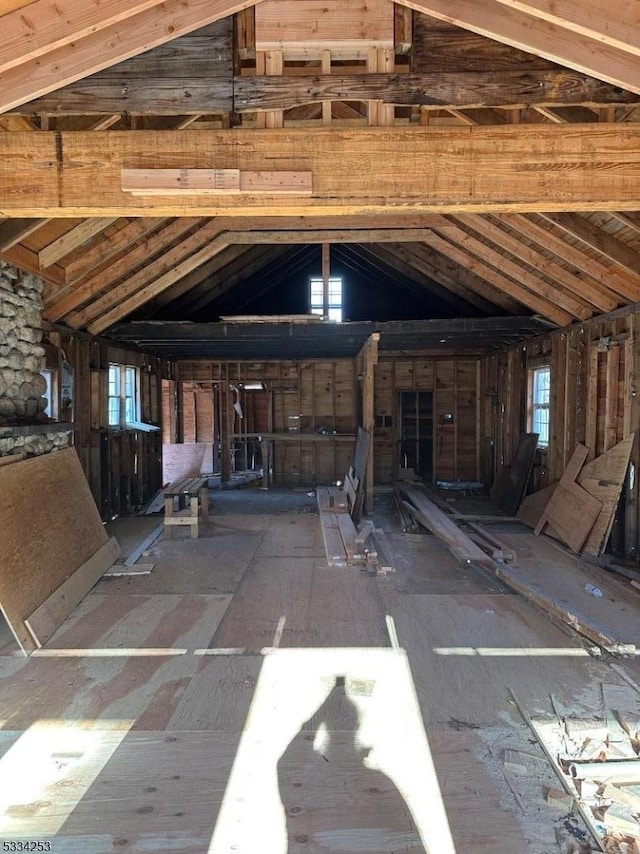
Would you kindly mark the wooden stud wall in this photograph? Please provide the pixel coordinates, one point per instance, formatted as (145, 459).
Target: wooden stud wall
(123, 467)
(453, 383)
(309, 394)
(594, 377)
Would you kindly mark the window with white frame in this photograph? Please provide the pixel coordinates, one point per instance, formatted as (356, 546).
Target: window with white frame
(123, 395)
(316, 298)
(539, 398)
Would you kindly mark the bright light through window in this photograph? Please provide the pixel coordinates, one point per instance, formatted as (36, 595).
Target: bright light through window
(540, 391)
(335, 298)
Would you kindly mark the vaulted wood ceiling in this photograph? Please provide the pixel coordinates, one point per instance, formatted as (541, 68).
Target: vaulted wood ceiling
(505, 178)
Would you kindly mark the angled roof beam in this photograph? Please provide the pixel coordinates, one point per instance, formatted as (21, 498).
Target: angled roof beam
(232, 276)
(463, 255)
(590, 18)
(73, 239)
(424, 258)
(617, 280)
(612, 248)
(445, 289)
(169, 267)
(90, 36)
(13, 231)
(71, 297)
(576, 307)
(582, 288)
(503, 22)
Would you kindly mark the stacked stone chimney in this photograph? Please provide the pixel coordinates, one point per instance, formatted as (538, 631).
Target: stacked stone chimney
(22, 386)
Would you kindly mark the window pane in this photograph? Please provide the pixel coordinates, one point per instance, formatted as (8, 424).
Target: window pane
(130, 381)
(129, 410)
(114, 411)
(335, 314)
(114, 380)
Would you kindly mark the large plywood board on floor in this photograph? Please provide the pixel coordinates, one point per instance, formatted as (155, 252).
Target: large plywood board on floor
(50, 526)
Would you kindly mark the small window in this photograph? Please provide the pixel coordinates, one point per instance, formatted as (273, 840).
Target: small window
(123, 395)
(540, 388)
(316, 301)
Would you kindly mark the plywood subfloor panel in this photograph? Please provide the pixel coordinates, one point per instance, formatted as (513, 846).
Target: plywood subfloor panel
(466, 651)
(214, 563)
(424, 564)
(315, 605)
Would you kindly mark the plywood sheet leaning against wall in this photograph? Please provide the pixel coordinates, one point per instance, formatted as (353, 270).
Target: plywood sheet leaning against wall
(604, 478)
(53, 547)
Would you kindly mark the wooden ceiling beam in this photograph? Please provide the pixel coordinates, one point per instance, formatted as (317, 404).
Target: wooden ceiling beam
(191, 286)
(493, 19)
(618, 281)
(596, 238)
(80, 50)
(232, 276)
(446, 89)
(584, 289)
(71, 297)
(365, 171)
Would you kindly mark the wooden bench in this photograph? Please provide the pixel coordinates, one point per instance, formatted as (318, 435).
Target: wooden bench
(195, 491)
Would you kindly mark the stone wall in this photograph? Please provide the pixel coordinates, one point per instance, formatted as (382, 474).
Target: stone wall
(21, 359)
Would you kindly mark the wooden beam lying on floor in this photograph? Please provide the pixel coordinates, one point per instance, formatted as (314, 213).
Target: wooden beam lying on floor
(432, 518)
(369, 170)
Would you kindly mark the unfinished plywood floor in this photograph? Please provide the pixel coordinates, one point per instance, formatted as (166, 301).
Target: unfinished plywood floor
(245, 697)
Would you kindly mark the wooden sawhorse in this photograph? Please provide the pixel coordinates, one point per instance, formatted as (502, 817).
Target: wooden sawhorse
(196, 491)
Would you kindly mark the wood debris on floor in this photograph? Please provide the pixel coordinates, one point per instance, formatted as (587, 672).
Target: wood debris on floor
(597, 761)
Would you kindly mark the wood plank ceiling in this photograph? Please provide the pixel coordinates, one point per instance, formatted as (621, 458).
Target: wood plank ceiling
(513, 86)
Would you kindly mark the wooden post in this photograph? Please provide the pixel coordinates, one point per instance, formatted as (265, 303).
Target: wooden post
(225, 441)
(632, 394)
(370, 360)
(326, 272)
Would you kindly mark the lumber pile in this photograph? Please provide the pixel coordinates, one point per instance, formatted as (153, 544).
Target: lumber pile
(597, 763)
(53, 547)
(580, 509)
(340, 508)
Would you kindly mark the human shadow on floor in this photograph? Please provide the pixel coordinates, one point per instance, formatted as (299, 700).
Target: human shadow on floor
(332, 800)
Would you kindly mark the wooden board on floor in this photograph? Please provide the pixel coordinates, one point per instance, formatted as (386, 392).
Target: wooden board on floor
(511, 483)
(464, 549)
(50, 526)
(534, 505)
(604, 478)
(46, 619)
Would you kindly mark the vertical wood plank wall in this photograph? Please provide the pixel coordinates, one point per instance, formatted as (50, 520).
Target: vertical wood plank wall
(123, 467)
(594, 375)
(453, 383)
